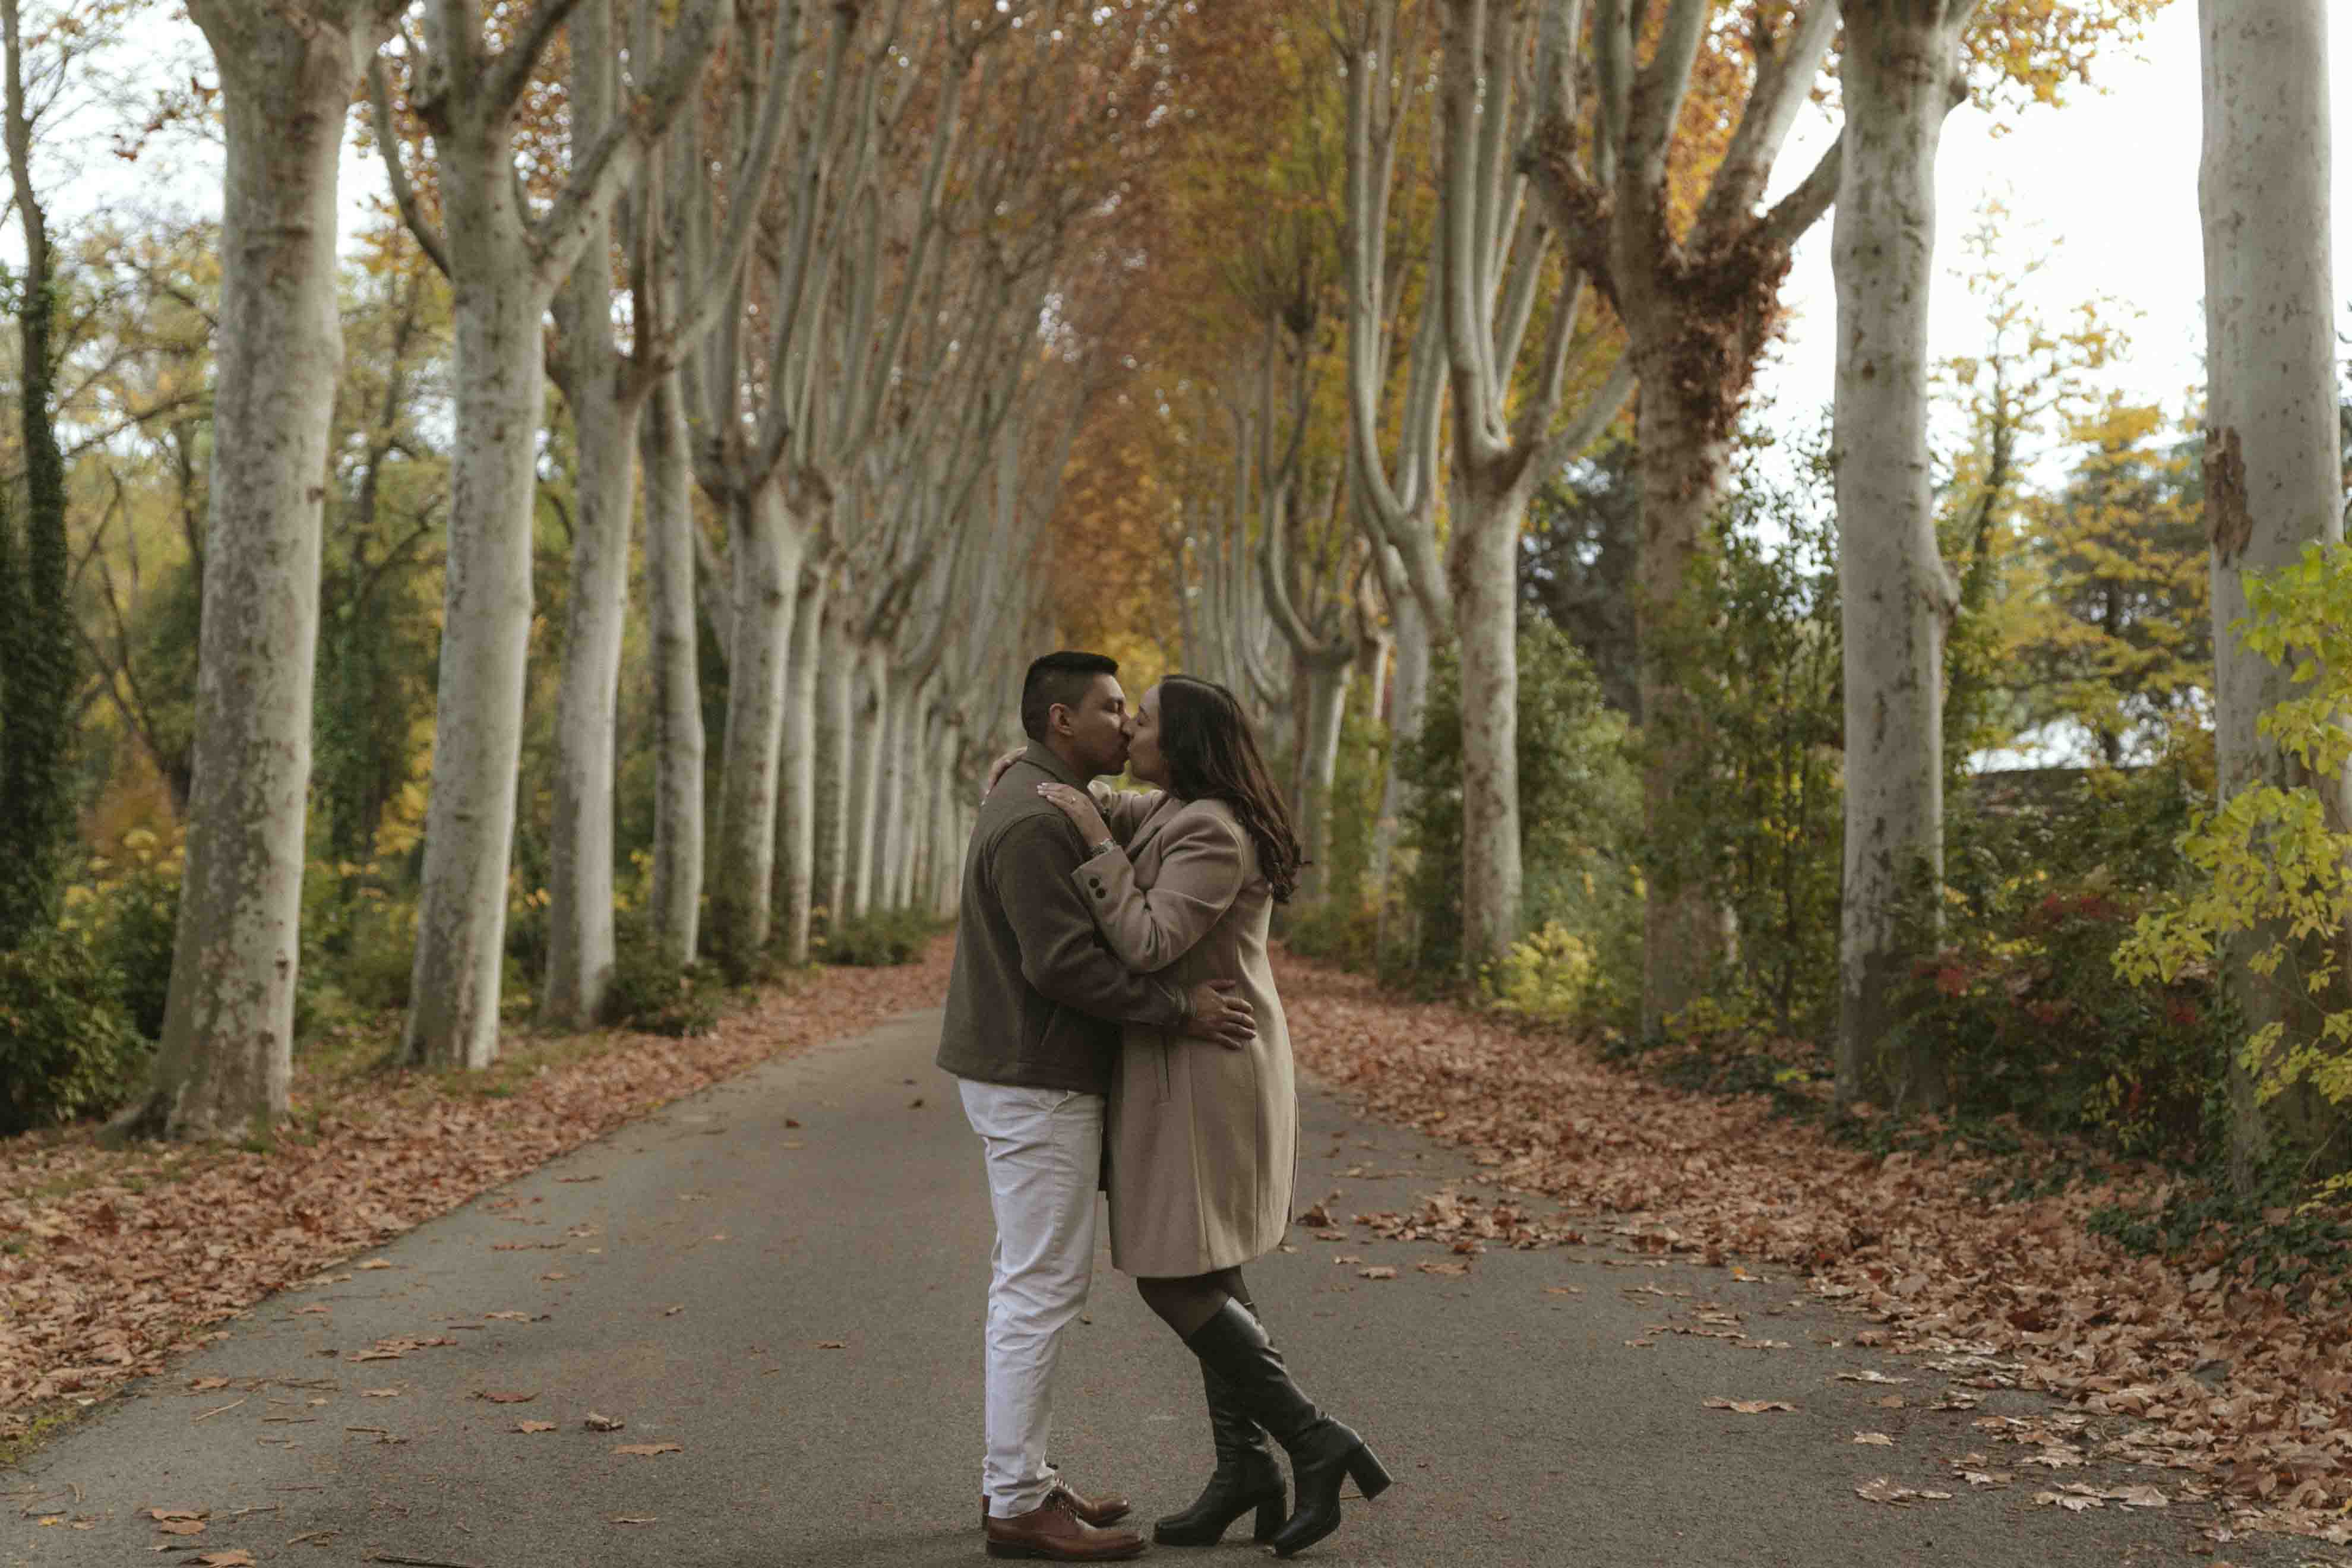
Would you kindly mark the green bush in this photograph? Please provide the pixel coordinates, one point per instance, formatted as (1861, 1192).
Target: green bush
(1344, 930)
(2023, 995)
(1358, 783)
(651, 995)
(138, 917)
(379, 954)
(2272, 892)
(1547, 977)
(67, 1048)
(1756, 648)
(1344, 925)
(877, 939)
(1579, 807)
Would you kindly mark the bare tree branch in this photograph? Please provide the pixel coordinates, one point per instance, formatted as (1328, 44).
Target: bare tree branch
(508, 73)
(403, 195)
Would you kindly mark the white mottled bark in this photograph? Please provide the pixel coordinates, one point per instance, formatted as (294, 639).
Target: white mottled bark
(1901, 65)
(836, 680)
(605, 413)
(1484, 567)
(866, 780)
(765, 554)
(580, 874)
(504, 267)
(1408, 696)
(1327, 706)
(909, 803)
(1491, 264)
(936, 851)
(797, 765)
(890, 834)
(2271, 476)
(679, 742)
(495, 304)
(225, 1060)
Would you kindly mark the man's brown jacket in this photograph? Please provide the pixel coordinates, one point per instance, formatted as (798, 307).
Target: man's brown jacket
(1037, 998)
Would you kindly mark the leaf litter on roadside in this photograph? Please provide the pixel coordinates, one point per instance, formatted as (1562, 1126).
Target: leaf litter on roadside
(130, 1255)
(1994, 1294)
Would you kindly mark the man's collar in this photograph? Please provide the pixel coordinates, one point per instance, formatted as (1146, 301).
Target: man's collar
(1040, 755)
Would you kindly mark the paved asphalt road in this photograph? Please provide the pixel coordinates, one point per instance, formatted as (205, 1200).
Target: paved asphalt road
(782, 1277)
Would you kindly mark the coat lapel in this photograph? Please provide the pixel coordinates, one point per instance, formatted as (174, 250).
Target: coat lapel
(1150, 830)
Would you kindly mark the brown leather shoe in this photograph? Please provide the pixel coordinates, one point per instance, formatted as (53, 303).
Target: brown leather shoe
(1097, 1512)
(1054, 1532)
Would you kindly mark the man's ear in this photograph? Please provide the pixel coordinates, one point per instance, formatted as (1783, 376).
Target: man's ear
(1057, 718)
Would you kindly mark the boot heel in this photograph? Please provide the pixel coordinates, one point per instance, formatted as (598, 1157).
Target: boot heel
(1270, 1515)
(1371, 1477)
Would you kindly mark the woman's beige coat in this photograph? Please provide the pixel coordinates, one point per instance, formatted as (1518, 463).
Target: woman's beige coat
(1201, 1141)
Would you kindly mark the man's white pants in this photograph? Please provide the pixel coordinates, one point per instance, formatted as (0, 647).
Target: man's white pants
(1043, 1149)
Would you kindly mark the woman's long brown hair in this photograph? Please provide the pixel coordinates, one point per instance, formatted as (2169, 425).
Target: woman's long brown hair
(1213, 755)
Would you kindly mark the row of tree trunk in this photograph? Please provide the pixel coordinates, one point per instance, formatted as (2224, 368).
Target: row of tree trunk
(789, 268)
(833, 290)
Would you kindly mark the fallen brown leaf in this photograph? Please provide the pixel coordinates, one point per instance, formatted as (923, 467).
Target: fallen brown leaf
(534, 1425)
(595, 1423)
(1377, 1271)
(1746, 1406)
(141, 1257)
(2196, 1366)
(648, 1450)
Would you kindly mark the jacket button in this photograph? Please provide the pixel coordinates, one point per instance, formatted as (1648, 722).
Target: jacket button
(1098, 892)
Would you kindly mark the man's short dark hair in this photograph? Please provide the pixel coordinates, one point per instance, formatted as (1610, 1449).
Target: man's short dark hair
(1058, 678)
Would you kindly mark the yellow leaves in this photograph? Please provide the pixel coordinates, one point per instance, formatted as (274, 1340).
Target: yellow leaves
(2024, 52)
(1546, 975)
(2274, 862)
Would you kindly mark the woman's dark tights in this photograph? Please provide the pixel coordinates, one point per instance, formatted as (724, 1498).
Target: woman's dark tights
(1186, 1302)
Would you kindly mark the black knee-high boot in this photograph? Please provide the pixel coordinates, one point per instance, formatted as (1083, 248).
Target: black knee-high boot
(1246, 1476)
(1323, 1452)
